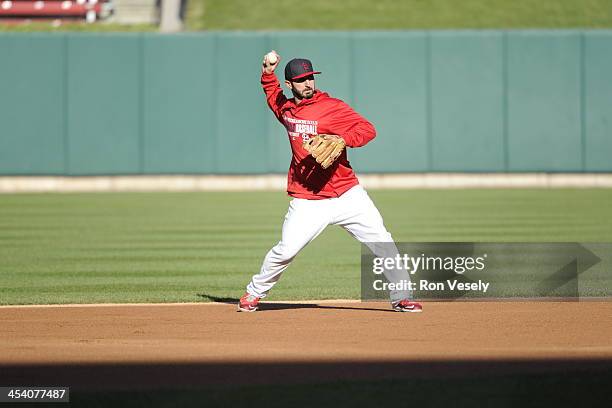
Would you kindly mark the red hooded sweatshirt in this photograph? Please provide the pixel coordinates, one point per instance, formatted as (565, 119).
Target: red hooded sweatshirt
(320, 114)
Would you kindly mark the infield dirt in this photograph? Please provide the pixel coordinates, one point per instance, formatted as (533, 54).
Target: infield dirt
(135, 347)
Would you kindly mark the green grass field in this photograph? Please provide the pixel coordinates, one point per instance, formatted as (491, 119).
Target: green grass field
(185, 247)
(371, 15)
(396, 14)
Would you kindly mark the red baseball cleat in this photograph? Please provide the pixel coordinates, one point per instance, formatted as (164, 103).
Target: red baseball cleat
(248, 303)
(407, 306)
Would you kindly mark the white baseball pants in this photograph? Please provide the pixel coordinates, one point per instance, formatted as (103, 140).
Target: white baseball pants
(306, 219)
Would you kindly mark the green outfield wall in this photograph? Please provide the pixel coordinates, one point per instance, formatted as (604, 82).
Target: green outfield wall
(442, 101)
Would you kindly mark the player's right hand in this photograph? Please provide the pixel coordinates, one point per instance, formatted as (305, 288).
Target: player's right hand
(267, 67)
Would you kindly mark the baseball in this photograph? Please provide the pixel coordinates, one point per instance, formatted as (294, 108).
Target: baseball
(272, 58)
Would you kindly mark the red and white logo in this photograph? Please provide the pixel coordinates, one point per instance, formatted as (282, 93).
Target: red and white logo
(300, 128)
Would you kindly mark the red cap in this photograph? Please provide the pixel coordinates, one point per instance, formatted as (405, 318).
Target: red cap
(299, 68)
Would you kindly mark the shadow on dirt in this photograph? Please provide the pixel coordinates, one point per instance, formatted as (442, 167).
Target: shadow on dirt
(267, 307)
(494, 383)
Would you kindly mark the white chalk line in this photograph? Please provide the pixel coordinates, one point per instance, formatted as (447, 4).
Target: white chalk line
(68, 305)
(308, 302)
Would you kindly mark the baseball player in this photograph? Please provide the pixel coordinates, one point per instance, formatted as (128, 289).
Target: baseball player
(321, 181)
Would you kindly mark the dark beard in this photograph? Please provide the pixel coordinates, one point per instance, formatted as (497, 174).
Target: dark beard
(302, 96)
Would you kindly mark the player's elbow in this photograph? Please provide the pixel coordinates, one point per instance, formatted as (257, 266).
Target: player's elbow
(360, 135)
(371, 131)
(368, 133)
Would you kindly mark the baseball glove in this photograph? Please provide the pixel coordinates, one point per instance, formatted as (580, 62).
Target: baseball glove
(325, 148)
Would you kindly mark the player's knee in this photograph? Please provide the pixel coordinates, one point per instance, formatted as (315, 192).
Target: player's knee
(386, 237)
(285, 252)
(378, 237)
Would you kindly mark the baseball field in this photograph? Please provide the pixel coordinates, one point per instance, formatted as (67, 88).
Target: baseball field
(195, 247)
(130, 298)
(397, 14)
(149, 283)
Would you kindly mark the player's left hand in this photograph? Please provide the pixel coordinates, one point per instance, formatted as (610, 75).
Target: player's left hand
(325, 148)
